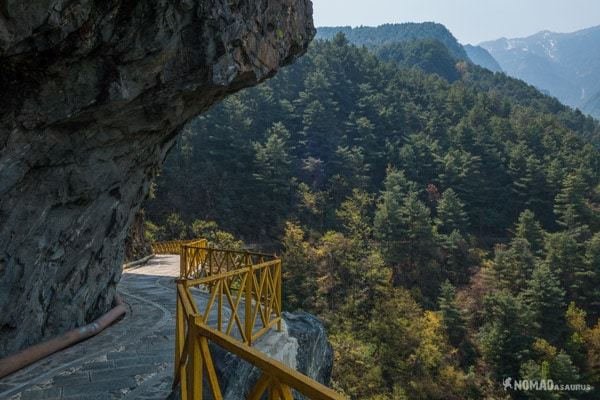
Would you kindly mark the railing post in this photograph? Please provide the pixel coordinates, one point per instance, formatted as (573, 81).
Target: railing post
(181, 367)
(179, 338)
(219, 287)
(248, 320)
(182, 263)
(278, 281)
(197, 369)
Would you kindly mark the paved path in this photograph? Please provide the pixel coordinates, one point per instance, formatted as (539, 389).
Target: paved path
(132, 359)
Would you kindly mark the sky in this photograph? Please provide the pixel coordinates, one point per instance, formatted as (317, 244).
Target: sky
(471, 21)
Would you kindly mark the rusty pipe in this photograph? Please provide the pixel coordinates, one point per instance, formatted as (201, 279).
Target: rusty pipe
(15, 362)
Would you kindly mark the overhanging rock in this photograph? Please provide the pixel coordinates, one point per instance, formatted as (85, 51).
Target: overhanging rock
(93, 94)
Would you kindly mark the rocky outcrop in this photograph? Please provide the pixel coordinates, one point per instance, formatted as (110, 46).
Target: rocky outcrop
(315, 359)
(301, 345)
(94, 93)
(137, 246)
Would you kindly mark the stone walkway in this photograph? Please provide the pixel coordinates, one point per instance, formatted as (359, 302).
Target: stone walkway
(132, 359)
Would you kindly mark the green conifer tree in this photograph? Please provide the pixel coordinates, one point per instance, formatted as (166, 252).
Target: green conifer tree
(451, 215)
(529, 228)
(546, 300)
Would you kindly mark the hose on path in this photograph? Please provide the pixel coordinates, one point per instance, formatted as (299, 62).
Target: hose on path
(20, 360)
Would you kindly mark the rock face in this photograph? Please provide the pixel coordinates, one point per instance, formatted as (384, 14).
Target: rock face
(316, 356)
(94, 93)
(136, 244)
(301, 345)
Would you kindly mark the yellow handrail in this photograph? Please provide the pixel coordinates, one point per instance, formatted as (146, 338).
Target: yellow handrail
(240, 281)
(198, 260)
(174, 246)
(193, 359)
(232, 278)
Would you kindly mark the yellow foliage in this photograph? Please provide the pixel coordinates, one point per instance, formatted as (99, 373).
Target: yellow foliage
(544, 349)
(355, 370)
(592, 338)
(576, 319)
(428, 353)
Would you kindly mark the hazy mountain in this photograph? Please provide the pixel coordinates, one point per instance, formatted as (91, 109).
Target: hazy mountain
(482, 57)
(395, 33)
(592, 107)
(566, 65)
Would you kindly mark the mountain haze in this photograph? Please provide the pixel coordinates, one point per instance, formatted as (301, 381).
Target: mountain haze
(482, 57)
(565, 65)
(592, 107)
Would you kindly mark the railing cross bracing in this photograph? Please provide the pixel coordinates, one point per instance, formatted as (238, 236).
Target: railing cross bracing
(249, 284)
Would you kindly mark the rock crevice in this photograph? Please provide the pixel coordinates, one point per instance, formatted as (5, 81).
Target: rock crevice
(94, 94)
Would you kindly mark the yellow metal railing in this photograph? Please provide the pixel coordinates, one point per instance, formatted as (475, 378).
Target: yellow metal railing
(249, 286)
(198, 260)
(251, 295)
(193, 360)
(174, 246)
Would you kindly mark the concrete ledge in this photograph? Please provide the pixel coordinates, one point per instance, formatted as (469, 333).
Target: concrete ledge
(137, 263)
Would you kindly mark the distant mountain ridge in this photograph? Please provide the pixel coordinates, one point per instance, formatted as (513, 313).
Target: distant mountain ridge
(592, 107)
(396, 33)
(566, 65)
(561, 65)
(391, 35)
(423, 46)
(482, 57)
(428, 55)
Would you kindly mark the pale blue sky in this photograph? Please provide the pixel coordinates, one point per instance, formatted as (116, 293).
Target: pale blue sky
(471, 21)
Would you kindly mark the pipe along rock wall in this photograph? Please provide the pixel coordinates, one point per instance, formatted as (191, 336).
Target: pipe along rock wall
(93, 93)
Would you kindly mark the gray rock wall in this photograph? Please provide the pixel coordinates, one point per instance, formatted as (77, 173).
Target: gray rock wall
(93, 94)
(137, 246)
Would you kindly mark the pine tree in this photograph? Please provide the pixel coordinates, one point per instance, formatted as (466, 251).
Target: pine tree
(355, 215)
(549, 363)
(564, 255)
(451, 315)
(546, 300)
(404, 230)
(570, 205)
(457, 259)
(348, 171)
(591, 277)
(529, 182)
(417, 158)
(403, 227)
(513, 266)
(529, 228)
(454, 323)
(275, 185)
(506, 335)
(389, 219)
(450, 214)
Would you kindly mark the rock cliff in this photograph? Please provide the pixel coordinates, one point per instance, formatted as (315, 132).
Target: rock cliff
(94, 93)
(137, 246)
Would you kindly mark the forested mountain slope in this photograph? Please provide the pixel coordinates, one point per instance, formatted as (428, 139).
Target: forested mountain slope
(421, 45)
(445, 229)
(427, 55)
(395, 33)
